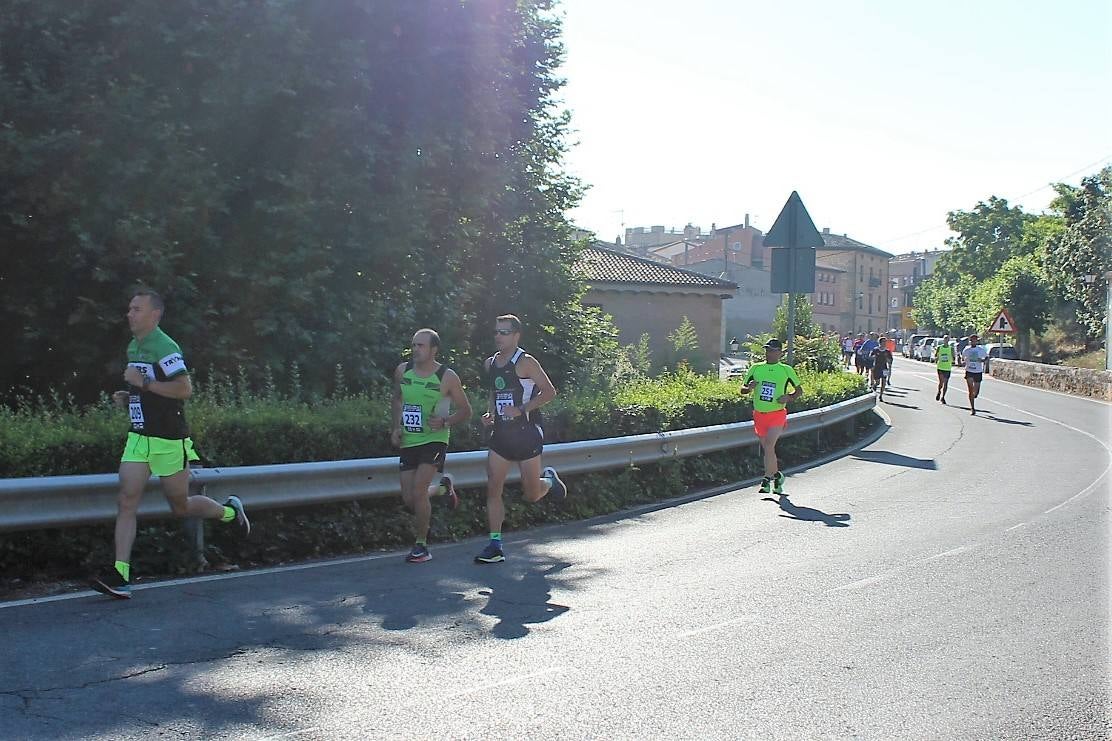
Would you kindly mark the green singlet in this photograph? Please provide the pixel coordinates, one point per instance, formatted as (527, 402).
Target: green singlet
(945, 358)
(419, 397)
(772, 383)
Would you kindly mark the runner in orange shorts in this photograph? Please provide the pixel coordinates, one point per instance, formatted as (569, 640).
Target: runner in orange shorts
(770, 413)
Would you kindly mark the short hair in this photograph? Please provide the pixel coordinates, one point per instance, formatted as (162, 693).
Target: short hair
(434, 338)
(153, 297)
(512, 320)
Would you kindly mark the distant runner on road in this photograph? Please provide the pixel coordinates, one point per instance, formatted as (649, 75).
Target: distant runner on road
(974, 356)
(158, 443)
(944, 363)
(882, 360)
(770, 413)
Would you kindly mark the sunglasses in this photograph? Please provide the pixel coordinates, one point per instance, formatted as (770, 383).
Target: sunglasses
(503, 332)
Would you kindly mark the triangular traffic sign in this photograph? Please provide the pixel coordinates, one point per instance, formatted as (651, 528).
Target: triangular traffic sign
(1002, 323)
(793, 227)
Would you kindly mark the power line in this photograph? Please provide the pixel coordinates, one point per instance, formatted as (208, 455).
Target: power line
(1017, 198)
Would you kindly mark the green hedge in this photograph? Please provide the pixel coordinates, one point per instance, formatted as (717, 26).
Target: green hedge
(240, 429)
(34, 562)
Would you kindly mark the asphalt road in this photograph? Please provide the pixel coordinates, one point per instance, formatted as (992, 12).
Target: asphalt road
(949, 580)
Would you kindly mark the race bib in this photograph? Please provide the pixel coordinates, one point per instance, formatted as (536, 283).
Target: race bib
(975, 366)
(413, 418)
(502, 400)
(135, 411)
(768, 391)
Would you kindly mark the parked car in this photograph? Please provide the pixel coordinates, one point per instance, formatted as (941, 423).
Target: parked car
(997, 350)
(910, 343)
(925, 349)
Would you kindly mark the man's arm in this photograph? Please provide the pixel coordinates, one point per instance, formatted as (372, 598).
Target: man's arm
(396, 407)
(545, 391)
(178, 387)
(454, 388)
(797, 389)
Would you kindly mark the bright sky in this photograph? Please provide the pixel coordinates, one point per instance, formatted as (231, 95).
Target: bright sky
(883, 115)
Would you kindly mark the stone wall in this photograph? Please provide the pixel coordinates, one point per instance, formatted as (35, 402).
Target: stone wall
(1080, 381)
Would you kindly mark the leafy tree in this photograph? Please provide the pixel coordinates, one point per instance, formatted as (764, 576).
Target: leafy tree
(304, 183)
(987, 236)
(1083, 248)
(685, 346)
(804, 319)
(944, 307)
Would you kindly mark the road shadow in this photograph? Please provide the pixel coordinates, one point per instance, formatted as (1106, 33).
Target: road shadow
(520, 601)
(894, 404)
(65, 662)
(809, 514)
(1003, 420)
(895, 459)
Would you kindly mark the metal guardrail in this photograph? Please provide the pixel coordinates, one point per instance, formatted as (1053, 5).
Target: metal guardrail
(54, 501)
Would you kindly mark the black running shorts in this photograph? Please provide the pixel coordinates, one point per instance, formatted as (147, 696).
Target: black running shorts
(973, 376)
(432, 454)
(517, 442)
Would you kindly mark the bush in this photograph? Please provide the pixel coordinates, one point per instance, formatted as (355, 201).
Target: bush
(233, 427)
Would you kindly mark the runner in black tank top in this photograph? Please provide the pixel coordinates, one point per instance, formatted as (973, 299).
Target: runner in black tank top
(518, 387)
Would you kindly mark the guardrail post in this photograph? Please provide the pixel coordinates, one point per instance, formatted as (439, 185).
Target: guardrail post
(194, 527)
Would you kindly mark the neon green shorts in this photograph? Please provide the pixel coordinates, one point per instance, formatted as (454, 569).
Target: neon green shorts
(165, 457)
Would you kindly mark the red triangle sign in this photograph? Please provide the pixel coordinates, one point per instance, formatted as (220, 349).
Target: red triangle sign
(1002, 323)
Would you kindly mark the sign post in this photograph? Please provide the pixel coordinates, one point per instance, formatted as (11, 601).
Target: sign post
(793, 268)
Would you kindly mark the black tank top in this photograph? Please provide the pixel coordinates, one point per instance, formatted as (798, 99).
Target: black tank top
(510, 390)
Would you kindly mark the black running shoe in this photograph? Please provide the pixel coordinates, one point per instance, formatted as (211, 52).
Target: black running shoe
(558, 490)
(111, 583)
(491, 554)
(419, 554)
(241, 516)
(449, 484)
(766, 486)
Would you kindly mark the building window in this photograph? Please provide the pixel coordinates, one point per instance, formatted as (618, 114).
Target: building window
(861, 273)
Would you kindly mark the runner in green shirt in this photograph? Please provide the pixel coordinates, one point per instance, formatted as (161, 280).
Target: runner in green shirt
(770, 415)
(158, 442)
(944, 363)
(424, 392)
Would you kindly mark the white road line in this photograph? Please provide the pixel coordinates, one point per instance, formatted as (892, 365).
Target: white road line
(1091, 487)
(718, 626)
(1015, 527)
(951, 552)
(207, 578)
(869, 581)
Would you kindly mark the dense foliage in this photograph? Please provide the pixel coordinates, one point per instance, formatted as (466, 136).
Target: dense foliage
(305, 182)
(1036, 267)
(1079, 256)
(234, 425)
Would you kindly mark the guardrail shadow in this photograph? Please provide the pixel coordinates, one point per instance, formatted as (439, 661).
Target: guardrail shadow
(810, 514)
(895, 459)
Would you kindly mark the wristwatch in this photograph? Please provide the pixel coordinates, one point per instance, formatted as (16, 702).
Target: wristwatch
(146, 381)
